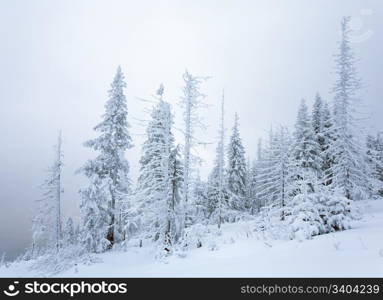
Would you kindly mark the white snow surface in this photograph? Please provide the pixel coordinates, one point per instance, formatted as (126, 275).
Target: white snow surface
(241, 252)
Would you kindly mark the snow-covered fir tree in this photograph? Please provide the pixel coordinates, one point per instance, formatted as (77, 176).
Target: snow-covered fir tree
(317, 121)
(213, 204)
(280, 170)
(217, 194)
(256, 175)
(200, 192)
(95, 219)
(46, 225)
(263, 164)
(176, 174)
(69, 233)
(236, 170)
(305, 207)
(306, 216)
(349, 171)
(306, 160)
(273, 175)
(191, 101)
(217, 181)
(328, 139)
(324, 132)
(314, 208)
(317, 118)
(375, 159)
(250, 185)
(160, 176)
(107, 173)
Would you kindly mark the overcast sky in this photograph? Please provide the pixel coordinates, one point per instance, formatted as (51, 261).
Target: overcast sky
(58, 58)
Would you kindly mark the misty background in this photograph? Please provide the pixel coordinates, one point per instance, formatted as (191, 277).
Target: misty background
(58, 58)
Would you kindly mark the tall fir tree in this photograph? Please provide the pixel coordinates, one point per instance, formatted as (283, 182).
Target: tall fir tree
(220, 162)
(281, 169)
(46, 225)
(349, 171)
(264, 162)
(176, 175)
(317, 118)
(257, 171)
(375, 159)
(216, 193)
(317, 121)
(191, 102)
(250, 185)
(236, 171)
(306, 159)
(328, 139)
(160, 175)
(107, 173)
(272, 182)
(323, 130)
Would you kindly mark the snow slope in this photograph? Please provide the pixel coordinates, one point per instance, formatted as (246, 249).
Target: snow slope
(241, 253)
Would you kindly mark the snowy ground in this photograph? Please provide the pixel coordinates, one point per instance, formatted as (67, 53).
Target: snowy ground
(353, 253)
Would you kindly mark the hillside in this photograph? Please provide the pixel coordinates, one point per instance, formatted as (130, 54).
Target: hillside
(241, 252)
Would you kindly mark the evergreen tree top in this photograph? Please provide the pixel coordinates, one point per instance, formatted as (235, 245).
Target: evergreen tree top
(347, 80)
(114, 126)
